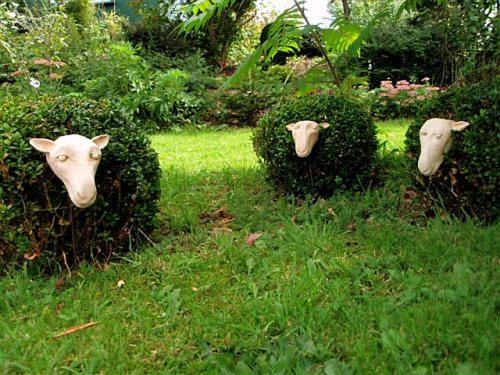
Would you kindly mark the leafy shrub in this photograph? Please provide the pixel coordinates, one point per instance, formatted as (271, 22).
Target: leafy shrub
(162, 98)
(342, 158)
(82, 11)
(37, 219)
(50, 47)
(468, 180)
(246, 104)
(168, 101)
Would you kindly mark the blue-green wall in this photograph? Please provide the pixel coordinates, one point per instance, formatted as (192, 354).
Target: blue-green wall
(120, 7)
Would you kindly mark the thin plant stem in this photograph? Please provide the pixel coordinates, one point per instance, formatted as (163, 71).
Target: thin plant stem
(315, 36)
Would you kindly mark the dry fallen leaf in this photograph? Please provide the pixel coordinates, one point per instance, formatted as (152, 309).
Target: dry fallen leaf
(59, 283)
(252, 237)
(35, 254)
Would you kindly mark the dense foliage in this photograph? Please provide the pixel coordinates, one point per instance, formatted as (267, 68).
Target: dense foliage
(37, 220)
(55, 55)
(156, 33)
(158, 30)
(443, 40)
(246, 104)
(468, 180)
(342, 158)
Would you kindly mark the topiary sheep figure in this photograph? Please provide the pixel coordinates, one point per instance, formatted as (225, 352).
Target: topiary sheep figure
(37, 220)
(461, 172)
(317, 144)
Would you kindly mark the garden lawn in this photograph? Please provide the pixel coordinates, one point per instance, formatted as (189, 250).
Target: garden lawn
(342, 285)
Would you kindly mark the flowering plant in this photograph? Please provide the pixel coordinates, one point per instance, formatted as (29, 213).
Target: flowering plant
(400, 100)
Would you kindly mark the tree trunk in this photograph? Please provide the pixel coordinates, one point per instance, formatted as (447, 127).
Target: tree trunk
(347, 9)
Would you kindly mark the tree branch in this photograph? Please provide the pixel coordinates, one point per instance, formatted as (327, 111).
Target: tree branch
(315, 36)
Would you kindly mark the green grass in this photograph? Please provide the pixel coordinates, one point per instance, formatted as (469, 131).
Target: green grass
(344, 285)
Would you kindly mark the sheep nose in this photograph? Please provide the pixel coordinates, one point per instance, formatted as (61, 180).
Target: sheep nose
(85, 196)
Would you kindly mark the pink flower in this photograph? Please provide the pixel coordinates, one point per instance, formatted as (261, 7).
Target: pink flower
(40, 61)
(402, 82)
(57, 64)
(426, 79)
(386, 85)
(393, 92)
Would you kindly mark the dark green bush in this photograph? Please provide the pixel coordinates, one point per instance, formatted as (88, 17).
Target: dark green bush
(468, 180)
(158, 34)
(36, 217)
(342, 158)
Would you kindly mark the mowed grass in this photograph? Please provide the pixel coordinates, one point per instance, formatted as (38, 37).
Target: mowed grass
(344, 285)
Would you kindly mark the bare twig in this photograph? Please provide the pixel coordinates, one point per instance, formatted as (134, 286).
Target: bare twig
(147, 238)
(66, 263)
(75, 329)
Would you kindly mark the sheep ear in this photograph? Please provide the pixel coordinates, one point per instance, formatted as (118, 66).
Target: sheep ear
(324, 125)
(290, 126)
(101, 140)
(458, 126)
(42, 144)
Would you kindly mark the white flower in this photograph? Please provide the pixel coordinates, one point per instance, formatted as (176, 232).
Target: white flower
(34, 83)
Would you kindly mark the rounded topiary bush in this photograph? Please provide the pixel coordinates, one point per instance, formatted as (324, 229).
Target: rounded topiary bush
(342, 158)
(467, 182)
(37, 219)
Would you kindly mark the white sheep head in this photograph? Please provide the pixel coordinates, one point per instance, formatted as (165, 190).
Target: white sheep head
(74, 159)
(305, 135)
(435, 141)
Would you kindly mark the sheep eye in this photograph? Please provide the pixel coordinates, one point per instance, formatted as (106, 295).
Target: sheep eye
(62, 157)
(439, 136)
(95, 155)
(423, 134)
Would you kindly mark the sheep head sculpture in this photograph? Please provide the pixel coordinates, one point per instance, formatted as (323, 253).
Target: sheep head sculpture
(305, 135)
(435, 141)
(74, 159)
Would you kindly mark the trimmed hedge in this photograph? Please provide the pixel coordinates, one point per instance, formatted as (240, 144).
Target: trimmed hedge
(467, 183)
(37, 219)
(343, 157)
